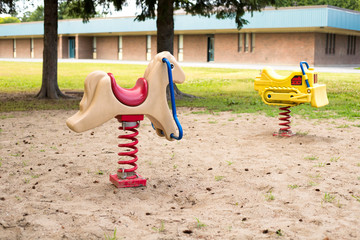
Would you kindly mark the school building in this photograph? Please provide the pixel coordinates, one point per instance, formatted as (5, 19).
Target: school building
(320, 35)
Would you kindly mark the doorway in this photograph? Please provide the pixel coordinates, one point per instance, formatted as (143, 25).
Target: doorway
(71, 47)
(211, 45)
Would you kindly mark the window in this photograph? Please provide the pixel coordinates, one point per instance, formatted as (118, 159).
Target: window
(72, 52)
(148, 47)
(211, 48)
(246, 42)
(247, 36)
(330, 43)
(351, 47)
(240, 42)
(181, 48)
(252, 42)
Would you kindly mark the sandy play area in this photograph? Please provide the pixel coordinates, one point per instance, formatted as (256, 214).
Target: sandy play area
(229, 178)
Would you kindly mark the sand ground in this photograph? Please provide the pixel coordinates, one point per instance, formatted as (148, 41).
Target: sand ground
(229, 178)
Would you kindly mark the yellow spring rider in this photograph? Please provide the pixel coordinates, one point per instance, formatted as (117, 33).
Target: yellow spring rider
(287, 91)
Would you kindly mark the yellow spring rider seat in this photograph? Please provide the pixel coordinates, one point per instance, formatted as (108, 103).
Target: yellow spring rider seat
(287, 91)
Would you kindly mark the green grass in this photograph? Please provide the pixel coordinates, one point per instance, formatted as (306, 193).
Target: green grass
(320, 165)
(219, 178)
(279, 233)
(108, 237)
(161, 228)
(311, 183)
(312, 158)
(199, 224)
(356, 197)
(71, 76)
(328, 198)
(293, 186)
(232, 89)
(269, 196)
(217, 89)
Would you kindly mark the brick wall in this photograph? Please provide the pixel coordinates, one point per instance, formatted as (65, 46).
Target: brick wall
(176, 46)
(6, 48)
(63, 47)
(340, 56)
(195, 48)
(84, 47)
(23, 48)
(134, 48)
(107, 47)
(38, 47)
(154, 46)
(270, 48)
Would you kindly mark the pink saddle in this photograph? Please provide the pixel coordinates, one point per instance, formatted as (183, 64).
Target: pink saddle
(130, 96)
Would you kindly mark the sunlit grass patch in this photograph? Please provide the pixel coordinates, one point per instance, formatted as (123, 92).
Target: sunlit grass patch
(218, 89)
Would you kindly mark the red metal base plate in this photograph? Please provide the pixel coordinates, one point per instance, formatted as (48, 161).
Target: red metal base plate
(284, 134)
(123, 183)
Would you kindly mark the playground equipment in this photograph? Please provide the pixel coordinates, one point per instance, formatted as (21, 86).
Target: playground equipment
(103, 100)
(288, 91)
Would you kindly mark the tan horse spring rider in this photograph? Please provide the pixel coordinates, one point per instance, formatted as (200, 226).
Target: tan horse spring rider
(103, 100)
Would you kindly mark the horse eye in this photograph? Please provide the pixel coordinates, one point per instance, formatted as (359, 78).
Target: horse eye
(172, 66)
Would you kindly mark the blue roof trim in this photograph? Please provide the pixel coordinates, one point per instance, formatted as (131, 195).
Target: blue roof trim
(282, 18)
(22, 29)
(291, 18)
(106, 25)
(343, 19)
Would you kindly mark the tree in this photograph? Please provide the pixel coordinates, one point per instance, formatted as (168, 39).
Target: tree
(37, 15)
(9, 20)
(49, 86)
(66, 10)
(7, 6)
(163, 11)
(76, 9)
(348, 4)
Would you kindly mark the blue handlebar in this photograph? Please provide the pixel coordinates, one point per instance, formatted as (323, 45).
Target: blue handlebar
(173, 105)
(303, 72)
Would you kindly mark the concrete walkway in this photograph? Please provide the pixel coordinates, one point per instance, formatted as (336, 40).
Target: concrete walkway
(334, 69)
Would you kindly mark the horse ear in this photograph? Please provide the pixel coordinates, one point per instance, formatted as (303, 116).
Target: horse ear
(159, 56)
(163, 54)
(90, 84)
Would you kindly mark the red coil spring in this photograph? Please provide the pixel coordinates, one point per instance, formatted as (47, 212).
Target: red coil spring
(285, 126)
(129, 173)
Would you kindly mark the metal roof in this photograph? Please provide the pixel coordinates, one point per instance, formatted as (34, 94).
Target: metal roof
(268, 19)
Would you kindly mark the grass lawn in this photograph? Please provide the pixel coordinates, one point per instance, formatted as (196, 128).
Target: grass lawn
(218, 89)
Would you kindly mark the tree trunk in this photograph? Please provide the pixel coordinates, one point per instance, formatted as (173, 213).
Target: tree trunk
(49, 88)
(165, 26)
(165, 34)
